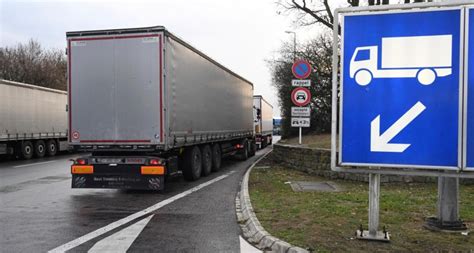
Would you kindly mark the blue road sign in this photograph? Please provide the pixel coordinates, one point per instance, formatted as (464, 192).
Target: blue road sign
(301, 69)
(470, 94)
(401, 89)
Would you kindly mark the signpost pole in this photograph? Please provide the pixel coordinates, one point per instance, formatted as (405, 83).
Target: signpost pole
(448, 192)
(374, 211)
(300, 137)
(448, 206)
(374, 200)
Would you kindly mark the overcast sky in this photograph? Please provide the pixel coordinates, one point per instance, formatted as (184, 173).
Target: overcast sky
(239, 34)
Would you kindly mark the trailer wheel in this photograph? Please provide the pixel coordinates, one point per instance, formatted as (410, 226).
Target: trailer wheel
(244, 155)
(216, 157)
(192, 164)
(263, 143)
(271, 140)
(26, 150)
(252, 148)
(51, 148)
(206, 160)
(40, 148)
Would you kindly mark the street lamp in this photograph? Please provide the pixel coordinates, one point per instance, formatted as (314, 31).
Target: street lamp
(294, 43)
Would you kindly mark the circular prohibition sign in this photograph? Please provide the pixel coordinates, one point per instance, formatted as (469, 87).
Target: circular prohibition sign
(300, 96)
(301, 69)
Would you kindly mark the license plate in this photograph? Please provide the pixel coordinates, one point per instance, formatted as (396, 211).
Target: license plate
(109, 160)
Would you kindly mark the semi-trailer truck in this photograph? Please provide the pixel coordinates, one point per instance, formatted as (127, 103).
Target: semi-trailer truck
(263, 121)
(33, 120)
(148, 105)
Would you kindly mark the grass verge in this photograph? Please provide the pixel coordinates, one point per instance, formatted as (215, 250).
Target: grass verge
(312, 141)
(326, 221)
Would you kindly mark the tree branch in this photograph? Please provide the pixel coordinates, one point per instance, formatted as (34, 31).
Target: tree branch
(310, 12)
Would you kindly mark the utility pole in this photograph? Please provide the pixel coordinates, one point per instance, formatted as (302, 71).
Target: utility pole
(294, 59)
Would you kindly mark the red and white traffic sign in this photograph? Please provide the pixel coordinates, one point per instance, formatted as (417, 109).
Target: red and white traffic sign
(301, 69)
(75, 135)
(300, 96)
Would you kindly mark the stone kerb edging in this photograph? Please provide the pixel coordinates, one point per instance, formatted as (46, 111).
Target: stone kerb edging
(252, 230)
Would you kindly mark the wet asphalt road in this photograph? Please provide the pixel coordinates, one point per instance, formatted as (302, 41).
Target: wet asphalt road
(40, 212)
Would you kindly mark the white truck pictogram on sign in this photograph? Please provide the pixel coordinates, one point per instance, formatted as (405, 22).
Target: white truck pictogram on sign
(423, 57)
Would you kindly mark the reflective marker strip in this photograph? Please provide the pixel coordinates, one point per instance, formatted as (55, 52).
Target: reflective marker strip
(153, 170)
(82, 169)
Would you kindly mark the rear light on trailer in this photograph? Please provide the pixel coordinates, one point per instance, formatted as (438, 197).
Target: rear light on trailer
(82, 169)
(153, 170)
(154, 162)
(81, 161)
(239, 146)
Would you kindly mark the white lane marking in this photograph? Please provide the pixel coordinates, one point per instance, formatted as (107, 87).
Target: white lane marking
(33, 164)
(116, 224)
(246, 247)
(122, 240)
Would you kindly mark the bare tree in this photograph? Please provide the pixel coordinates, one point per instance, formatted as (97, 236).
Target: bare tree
(30, 63)
(317, 11)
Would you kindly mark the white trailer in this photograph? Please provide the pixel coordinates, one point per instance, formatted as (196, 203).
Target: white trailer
(33, 120)
(148, 105)
(263, 121)
(421, 57)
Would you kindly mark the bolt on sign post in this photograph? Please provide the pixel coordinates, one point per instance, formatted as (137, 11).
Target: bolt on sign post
(405, 98)
(300, 96)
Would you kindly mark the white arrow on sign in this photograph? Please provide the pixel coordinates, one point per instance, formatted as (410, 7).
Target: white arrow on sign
(380, 143)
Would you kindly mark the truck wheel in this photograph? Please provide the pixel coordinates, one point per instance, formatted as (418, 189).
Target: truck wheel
(40, 148)
(216, 157)
(206, 160)
(192, 164)
(263, 143)
(244, 155)
(26, 150)
(252, 148)
(426, 76)
(363, 77)
(51, 148)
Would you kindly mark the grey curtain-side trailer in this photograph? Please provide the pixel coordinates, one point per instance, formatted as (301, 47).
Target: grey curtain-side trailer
(147, 105)
(33, 120)
(263, 121)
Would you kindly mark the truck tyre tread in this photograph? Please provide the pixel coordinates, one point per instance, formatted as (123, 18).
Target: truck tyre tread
(244, 155)
(51, 148)
(26, 150)
(40, 148)
(206, 154)
(192, 164)
(252, 148)
(216, 157)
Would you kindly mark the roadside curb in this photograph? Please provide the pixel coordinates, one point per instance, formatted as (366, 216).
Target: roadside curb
(252, 230)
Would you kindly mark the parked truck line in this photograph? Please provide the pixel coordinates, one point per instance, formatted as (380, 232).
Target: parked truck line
(34, 120)
(263, 121)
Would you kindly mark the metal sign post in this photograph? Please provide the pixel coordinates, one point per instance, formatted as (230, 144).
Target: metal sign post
(373, 232)
(299, 139)
(300, 96)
